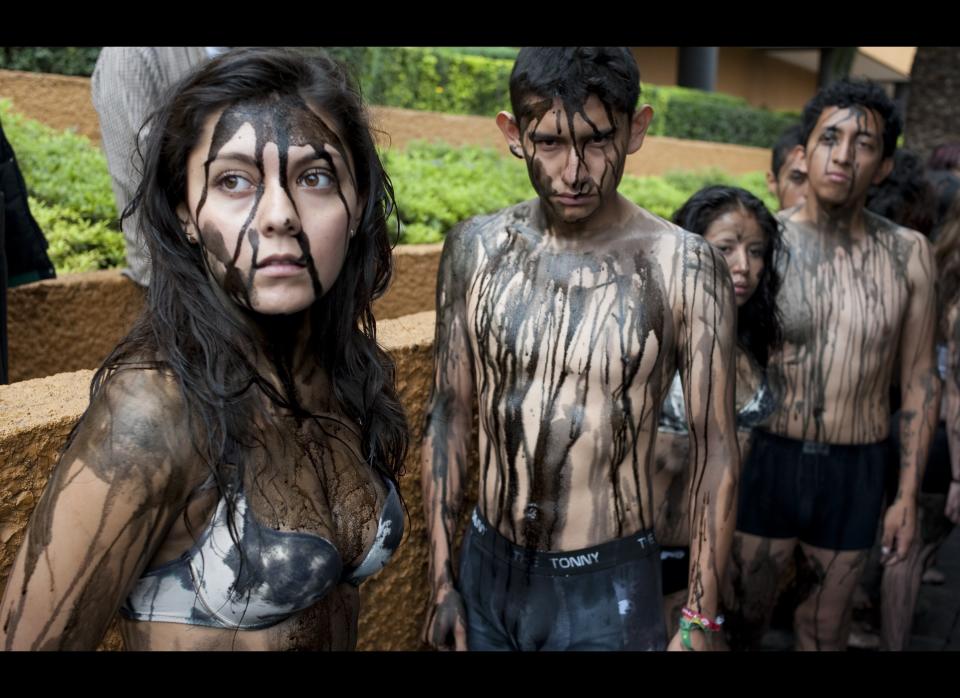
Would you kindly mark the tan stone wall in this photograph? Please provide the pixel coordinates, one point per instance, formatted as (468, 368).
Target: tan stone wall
(60, 101)
(764, 81)
(37, 415)
(414, 285)
(68, 323)
(659, 154)
(74, 321)
(42, 97)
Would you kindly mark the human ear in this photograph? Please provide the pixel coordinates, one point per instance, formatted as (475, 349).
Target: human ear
(187, 224)
(772, 186)
(638, 127)
(511, 132)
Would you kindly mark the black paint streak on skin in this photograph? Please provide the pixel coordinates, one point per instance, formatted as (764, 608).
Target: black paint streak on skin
(530, 343)
(120, 444)
(286, 121)
(701, 270)
(542, 184)
(860, 115)
(871, 275)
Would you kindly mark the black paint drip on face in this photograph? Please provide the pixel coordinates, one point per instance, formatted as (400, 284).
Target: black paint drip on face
(583, 182)
(832, 129)
(287, 121)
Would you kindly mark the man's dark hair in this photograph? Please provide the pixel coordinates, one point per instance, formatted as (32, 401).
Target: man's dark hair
(573, 73)
(856, 93)
(788, 140)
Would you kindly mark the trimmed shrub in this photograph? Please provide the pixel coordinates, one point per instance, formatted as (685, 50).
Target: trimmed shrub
(462, 81)
(680, 112)
(474, 80)
(61, 168)
(61, 60)
(444, 80)
(437, 186)
(76, 243)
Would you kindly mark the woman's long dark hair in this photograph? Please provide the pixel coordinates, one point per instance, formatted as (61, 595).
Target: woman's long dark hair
(186, 329)
(759, 326)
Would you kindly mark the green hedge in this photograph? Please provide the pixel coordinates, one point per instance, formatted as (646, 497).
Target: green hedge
(61, 60)
(475, 80)
(78, 243)
(70, 193)
(680, 112)
(436, 187)
(430, 79)
(61, 168)
(454, 81)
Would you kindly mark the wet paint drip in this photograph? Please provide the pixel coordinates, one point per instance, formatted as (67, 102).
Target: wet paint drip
(288, 122)
(563, 337)
(843, 305)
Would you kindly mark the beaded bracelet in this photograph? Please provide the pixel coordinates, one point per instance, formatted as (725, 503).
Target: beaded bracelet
(690, 620)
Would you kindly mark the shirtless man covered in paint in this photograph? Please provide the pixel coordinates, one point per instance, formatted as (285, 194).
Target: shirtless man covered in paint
(566, 316)
(858, 305)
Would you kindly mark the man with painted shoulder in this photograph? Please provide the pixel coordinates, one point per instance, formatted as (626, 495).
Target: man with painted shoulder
(563, 320)
(858, 305)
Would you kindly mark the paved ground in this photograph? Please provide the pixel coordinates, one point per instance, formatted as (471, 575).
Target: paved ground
(936, 623)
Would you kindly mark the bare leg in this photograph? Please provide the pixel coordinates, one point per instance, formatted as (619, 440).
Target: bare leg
(822, 620)
(901, 582)
(756, 565)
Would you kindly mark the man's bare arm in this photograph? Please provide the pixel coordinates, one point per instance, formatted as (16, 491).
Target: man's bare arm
(707, 352)
(951, 408)
(920, 386)
(446, 443)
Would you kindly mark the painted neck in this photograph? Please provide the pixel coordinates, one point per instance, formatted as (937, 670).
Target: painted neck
(840, 219)
(602, 224)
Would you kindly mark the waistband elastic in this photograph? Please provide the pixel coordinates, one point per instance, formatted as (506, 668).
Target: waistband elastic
(817, 448)
(597, 557)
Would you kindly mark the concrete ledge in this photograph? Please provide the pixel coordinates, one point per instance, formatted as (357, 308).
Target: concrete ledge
(36, 416)
(74, 322)
(69, 323)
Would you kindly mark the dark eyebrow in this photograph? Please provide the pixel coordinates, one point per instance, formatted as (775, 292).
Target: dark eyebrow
(239, 157)
(536, 136)
(603, 132)
(317, 154)
(833, 130)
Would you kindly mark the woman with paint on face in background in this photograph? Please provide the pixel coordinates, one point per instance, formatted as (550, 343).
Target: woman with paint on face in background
(234, 477)
(741, 227)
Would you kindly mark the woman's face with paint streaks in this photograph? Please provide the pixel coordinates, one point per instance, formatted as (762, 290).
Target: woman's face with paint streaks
(845, 154)
(742, 242)
(271, 193)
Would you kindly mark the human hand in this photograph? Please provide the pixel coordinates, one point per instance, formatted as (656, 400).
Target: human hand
(899, 529)
(952, 510)
(446, 626)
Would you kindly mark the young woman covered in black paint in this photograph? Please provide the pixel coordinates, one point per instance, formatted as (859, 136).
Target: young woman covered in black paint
(748, 237)
(234, 478)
